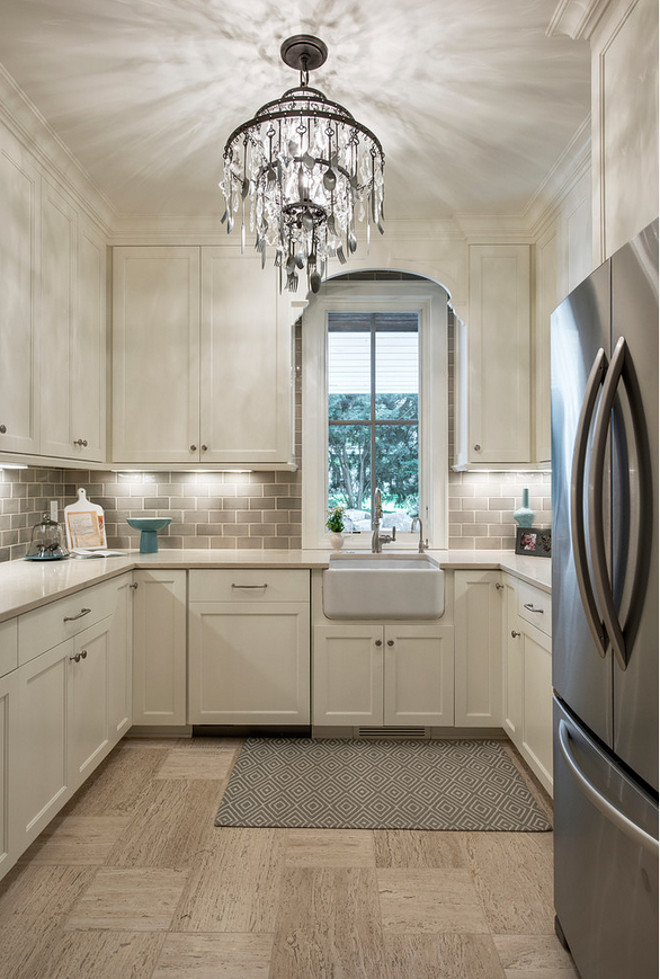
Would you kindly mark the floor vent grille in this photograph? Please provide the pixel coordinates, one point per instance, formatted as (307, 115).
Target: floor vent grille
(400, 733)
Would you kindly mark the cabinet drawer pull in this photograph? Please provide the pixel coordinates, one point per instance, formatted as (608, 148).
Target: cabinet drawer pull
(248, 586)
(531, 608)
(499, 585)
(514, 633)
(72, 618)
(134, 586)
(80, 442)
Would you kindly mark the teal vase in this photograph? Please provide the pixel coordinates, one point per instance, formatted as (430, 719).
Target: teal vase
(523, 516)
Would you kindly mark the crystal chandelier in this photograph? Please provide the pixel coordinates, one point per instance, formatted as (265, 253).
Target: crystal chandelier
(300, 173)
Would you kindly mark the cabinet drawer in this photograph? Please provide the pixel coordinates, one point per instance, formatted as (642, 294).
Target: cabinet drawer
(248, 585)
(8, 646)
(51, 624)
(535, 607)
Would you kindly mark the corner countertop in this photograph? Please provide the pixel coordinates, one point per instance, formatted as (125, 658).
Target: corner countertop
(25, 585)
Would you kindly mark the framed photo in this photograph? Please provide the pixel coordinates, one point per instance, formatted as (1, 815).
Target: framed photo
(534, 541)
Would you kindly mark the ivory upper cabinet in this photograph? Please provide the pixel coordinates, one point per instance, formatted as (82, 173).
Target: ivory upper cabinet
(72, 332)
(19, 219)
(499, 355)
(155, 355)
(246, 362)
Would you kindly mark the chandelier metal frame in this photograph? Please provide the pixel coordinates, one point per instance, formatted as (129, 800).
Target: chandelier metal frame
(305, 170)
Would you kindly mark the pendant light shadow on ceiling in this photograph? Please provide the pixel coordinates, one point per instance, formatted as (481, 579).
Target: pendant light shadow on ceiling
(300, 173)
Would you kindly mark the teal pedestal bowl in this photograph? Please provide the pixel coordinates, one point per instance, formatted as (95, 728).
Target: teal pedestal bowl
(149, 527)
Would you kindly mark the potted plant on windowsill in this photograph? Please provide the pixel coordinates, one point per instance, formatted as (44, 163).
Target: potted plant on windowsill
(335, 524)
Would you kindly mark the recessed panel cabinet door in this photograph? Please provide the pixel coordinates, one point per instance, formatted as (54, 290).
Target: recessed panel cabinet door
(88, 697)
(19, 218)
(246, 362)
(159, 648)
(419, 675)
(155, 355)
(477, 617)
(347, 675)
(8, 772)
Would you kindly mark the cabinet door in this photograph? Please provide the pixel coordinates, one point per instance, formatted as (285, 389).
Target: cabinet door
(8, 749)
(246, 363)
(537, 692)
(88, 700)
(43, 781)
(88, 348)
(159, 648)
(477, 612)
(120, 676)
(249, 663)
(347, 671)
(19, 220)
(512, 663)
(419, 675)
(499, 390)
(155, 355)
(58, 264)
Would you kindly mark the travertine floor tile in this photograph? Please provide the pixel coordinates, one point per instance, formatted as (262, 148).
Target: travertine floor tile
(214, 957)
(534, 957)
(438, 901)
(116, 787)
(236, 887)
(513, 876)
(77, 840)
(442, 957)
(409, 849)
(29, 892)
(173, 828)
(26, 945)
(328, 926)
(205, 764)
(328, 848)
(102, 955)
(128, 900)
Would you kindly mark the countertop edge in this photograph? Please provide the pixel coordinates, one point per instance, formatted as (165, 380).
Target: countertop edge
(45, 583)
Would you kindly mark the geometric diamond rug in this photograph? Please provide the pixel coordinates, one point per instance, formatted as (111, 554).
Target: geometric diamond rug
(337, 784)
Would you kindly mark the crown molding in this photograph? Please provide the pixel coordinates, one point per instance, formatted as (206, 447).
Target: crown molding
(576, 18)
(571, 166)
(24, 120)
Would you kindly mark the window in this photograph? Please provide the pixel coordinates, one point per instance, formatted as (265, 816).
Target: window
(375, 409)
(373, 416)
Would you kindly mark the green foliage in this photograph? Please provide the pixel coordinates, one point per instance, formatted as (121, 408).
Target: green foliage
(335, 521)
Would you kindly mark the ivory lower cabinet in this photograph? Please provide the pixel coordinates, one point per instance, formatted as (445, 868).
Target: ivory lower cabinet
(159, 649)
(478, 659)
(248, 634)
(370, 675)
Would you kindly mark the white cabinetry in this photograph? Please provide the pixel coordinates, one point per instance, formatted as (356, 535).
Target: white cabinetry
(528, 676)
(477, 616)
(249, 647)
(19, 219)
(201, 359)
(159, 648)
(8, 747)
(494, 359)
(369, 675)
(72, 333)
(66, 679)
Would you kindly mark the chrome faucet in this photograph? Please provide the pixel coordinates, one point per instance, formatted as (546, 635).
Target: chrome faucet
(378, 539)
(423, 544)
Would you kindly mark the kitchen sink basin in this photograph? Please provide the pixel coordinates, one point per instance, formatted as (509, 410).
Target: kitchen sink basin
(383, 586)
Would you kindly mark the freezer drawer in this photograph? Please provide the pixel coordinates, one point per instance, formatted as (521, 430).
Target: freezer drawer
(606, 859)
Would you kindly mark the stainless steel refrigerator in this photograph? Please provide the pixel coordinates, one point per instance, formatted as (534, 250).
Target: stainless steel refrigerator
(605, 615)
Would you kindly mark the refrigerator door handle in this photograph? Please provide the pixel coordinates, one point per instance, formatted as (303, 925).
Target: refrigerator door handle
(614, 815)
(602, 582)
(596, 375)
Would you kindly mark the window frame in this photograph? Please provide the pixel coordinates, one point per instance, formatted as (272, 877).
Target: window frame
(429, 301)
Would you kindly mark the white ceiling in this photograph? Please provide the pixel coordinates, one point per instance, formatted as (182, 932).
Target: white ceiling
(472, 102)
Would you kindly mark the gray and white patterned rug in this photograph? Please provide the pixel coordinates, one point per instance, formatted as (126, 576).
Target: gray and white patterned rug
(334, 784)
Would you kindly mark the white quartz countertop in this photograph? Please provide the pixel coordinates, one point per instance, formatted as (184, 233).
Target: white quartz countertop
(25, 585)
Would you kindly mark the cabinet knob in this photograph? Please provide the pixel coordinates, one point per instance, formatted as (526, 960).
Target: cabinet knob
(477, 447)
(3, 429)
(205, 448)
(76, 658)
(81, 442)
(390, 642)
(499, 585)
(514, 633)
(134, 586)
(193, 448)
(379, 642)
(83, 654)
